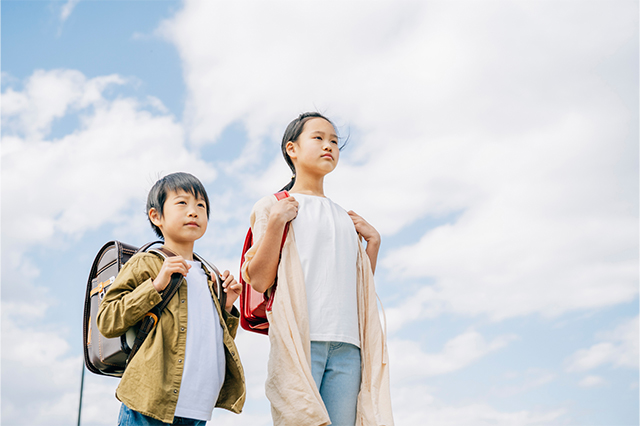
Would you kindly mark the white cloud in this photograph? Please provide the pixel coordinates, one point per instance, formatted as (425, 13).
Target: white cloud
(67, 8)
(591, 382)
(89, 177)
(530, 379)
(60, 189)
(411, 363)
(49, 95)
(619, 348)
(470, 110)
(415, 406)
(512, 129)
(38, 375)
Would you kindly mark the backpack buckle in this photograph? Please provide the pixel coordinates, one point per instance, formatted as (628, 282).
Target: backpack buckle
(103, 285)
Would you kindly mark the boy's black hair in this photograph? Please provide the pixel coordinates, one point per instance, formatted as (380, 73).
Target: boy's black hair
(292, 133)
(173, 182)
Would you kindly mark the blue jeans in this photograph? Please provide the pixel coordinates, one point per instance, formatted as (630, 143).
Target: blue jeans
(335, 367)
(128, 417)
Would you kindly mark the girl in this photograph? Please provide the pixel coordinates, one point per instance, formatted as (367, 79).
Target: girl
(328, 358)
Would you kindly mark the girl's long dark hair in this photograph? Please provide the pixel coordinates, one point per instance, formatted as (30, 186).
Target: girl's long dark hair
(291, 134)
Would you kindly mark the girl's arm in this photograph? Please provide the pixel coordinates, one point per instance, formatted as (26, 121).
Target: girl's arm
(263, 268)
(370, 235)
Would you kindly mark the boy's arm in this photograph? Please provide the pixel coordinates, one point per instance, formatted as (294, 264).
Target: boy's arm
(129, 298)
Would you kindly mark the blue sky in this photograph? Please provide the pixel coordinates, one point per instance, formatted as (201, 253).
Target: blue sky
(493, 144)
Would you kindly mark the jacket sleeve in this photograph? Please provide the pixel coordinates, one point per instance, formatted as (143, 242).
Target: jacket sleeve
(232, 319)
(259, 219)
(130, 296)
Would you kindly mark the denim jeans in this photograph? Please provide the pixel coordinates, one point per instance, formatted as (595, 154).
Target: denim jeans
(335, 367)
(128, 417)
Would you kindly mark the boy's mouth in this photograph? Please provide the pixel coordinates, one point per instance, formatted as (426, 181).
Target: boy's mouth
(192, 224)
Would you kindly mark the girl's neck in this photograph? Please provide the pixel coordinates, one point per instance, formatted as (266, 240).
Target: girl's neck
(308, 185)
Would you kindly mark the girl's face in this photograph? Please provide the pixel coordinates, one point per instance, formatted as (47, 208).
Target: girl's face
(316, 149)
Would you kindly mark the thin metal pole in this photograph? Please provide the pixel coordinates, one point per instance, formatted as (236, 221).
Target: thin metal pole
(81, 389)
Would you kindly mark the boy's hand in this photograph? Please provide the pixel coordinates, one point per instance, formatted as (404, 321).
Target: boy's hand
(170, 266)
(232, 288)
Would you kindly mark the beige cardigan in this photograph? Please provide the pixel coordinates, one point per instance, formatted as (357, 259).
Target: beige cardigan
(294, 396)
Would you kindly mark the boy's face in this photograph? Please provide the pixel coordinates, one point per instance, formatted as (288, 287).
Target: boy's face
(184, 219)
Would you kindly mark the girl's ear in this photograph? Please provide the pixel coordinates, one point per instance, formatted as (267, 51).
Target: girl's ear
(291, 149)
(154, 216)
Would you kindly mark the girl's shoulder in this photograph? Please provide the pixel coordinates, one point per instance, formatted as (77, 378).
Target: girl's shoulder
(263, 205)
(265, 202)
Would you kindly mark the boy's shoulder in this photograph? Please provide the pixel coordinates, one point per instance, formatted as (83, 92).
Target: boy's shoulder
(142, 262)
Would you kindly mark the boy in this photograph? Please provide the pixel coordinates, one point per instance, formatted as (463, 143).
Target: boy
(189, 362)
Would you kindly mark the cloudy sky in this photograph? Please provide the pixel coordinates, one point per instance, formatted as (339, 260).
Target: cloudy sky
(494, 144)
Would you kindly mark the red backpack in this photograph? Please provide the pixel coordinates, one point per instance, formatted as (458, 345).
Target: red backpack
(254, 305)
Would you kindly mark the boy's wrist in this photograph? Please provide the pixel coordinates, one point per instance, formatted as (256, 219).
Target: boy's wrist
(158, 285)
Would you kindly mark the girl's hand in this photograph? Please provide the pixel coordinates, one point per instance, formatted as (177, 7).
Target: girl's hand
(365, 229)
(284, 210)
(170, 266)
(370, 235)
(232, 287)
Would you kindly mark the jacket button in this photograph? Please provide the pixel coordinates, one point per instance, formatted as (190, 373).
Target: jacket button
(179, 361)
(151, 302)
(181, 328)
(175, 391)
(182, 301)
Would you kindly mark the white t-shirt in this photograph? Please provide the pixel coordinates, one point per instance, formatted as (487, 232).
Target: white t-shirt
(328, 248)
(204, 364)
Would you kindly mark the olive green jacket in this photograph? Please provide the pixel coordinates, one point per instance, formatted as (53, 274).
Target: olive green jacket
(151, 381)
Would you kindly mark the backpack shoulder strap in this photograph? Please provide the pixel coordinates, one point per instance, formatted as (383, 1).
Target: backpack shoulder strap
(152, 317)
(215, 276)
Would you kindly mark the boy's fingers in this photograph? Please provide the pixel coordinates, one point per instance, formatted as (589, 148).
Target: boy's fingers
(233, 285)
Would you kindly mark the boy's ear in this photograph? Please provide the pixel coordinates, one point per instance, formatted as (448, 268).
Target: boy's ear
(154, 216)
(290, 147)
